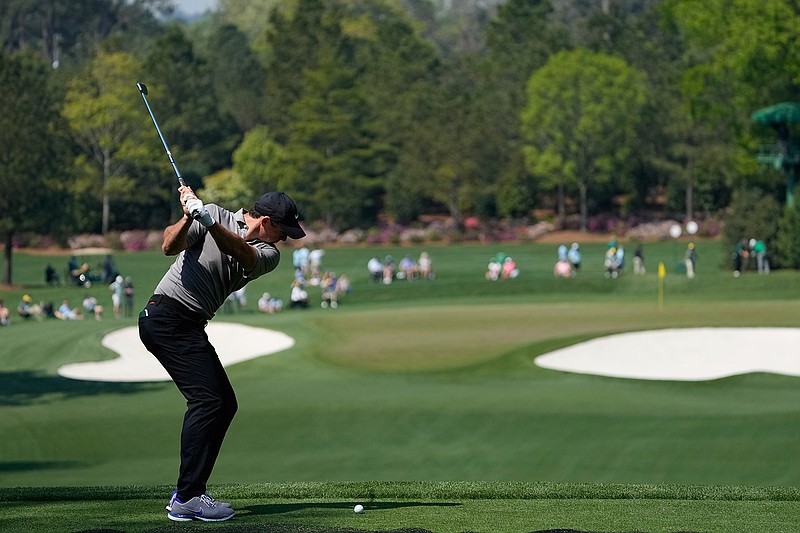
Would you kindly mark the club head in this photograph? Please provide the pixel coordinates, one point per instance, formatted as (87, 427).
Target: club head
(142, 88)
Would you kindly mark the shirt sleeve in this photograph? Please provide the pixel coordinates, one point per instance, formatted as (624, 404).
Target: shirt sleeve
(267, 259)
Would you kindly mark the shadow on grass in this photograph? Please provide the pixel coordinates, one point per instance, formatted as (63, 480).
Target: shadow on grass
(26, 466)
(28, 387)
(280, 508)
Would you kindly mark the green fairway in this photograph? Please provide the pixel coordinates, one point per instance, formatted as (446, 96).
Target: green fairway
(426, 381)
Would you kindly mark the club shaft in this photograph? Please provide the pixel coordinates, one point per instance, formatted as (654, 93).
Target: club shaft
(163, 141)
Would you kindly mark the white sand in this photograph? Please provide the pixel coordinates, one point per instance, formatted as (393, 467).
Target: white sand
(234, 343)
(696, 354)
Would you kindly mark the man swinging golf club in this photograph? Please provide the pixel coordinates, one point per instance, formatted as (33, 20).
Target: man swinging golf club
(218, 252)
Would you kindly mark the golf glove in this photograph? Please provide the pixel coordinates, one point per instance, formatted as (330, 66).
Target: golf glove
(199, 212)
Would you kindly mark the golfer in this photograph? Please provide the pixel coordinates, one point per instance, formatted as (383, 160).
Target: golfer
(218, 253)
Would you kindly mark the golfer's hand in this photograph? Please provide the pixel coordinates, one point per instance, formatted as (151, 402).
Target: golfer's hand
(196, 210)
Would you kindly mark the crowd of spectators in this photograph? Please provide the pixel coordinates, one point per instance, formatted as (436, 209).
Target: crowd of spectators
(121, 294)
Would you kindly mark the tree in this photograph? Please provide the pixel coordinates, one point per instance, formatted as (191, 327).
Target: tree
(293, 44)
(741, 55)
(182, 90)
(251, 17)
(344, 78)
(448, 141)
(260, 161)
(788, 237)
(58, 29)
(520, 39)
(332, 150)
(236, 76)
(580, 121)
(107, 121)
(34, 162)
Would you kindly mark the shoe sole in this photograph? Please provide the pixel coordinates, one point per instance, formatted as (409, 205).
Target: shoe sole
(221, 504)
(189, 518)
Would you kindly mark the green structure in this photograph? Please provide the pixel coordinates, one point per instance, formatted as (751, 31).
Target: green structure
(785, 154)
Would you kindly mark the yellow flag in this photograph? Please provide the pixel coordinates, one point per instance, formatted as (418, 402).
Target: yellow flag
(662, 271)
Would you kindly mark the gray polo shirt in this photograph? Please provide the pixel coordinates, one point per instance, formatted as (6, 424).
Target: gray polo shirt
(202, 277)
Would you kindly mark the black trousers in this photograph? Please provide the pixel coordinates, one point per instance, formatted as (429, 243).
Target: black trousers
(178, 339)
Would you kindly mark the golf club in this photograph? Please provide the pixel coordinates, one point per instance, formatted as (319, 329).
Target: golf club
(143, 89)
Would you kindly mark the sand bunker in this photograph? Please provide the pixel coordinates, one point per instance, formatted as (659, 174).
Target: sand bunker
(235, 343)
(697, 354)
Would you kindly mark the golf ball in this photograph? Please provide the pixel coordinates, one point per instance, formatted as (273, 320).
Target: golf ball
(358, 508)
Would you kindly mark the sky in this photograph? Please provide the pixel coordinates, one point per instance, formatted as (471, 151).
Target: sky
(195, 7)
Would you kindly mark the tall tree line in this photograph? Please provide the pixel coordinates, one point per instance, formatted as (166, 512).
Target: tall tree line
(364, 109)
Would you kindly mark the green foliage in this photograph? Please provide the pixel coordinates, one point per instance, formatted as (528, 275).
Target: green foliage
(236, 76)
(260, 161)
(788, 239)
(228, 189)
(182, 91)
(751, 215)
(35, 168)
(580, 122)
(425, 102)
(108, 124)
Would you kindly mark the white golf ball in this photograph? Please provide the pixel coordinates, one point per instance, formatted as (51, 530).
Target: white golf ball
(358, 508)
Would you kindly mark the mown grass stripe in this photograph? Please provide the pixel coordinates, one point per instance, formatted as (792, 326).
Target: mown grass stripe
(404, 490)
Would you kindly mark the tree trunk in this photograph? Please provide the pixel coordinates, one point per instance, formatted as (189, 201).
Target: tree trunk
(8, 254)
(562, 211)
(106, 179)
(689, 190)
(582, 187)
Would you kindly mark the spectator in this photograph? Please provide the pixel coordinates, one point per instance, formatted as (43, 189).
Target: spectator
(343, 284)
(5, 314)
(562, 252)
(65, 312)
(240, 297)
(128, 293)
(298, 296)
(638, 261)
(563, 269)
(408, 268)
(375, 268)
(109, 269)
(329, 292)
(388, 269)
(494, 269)
(92, 307)
(268, 304)
(690, 260)
(300, 260)
(48, 311)
(739, 254)
(574, 257)
(51, 276)
(315, 261)
(117, 290)
(77, 271)
(760, 251)
(611, 263)
(25, 307)
(510, 270)
(425, 266)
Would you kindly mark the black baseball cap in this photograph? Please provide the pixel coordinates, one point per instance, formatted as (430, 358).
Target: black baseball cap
(281, 210)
